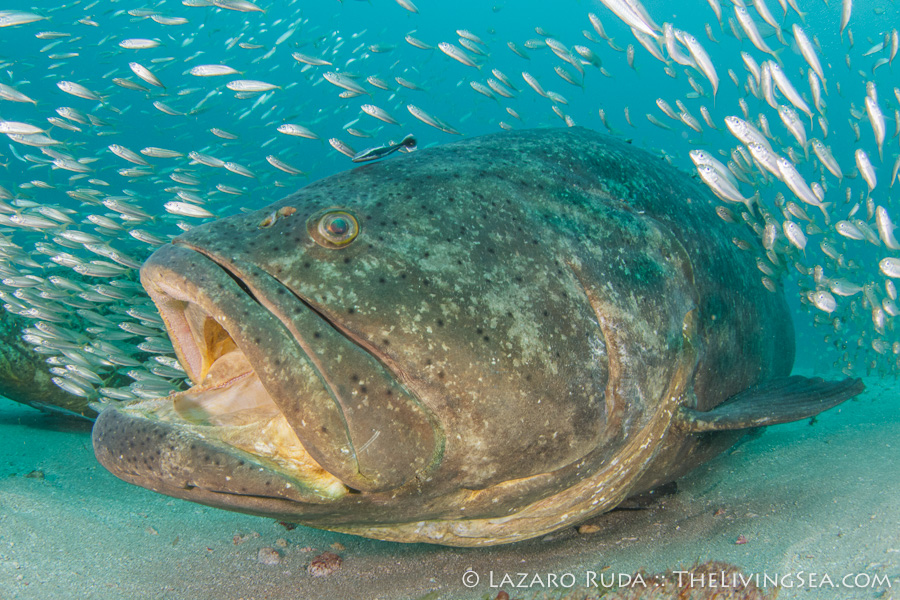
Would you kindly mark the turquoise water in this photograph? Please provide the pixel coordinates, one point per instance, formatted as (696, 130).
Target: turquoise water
(363, 39)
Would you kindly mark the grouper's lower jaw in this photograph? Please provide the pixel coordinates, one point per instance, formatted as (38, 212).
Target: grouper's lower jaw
(139, 445)
(225, 436)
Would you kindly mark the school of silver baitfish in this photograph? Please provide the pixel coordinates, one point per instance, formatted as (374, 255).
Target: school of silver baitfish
(72, 272)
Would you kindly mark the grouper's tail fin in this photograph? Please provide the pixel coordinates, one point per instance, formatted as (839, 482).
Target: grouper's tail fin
(778, 401)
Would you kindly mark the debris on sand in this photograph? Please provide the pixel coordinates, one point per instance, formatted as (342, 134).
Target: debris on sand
(324, 564)
(268, 556)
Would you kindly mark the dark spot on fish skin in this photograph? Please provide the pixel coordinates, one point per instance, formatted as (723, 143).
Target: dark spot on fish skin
(317, 335)
(306, 265)
(363, 389)
(440, 322)
(440, 375)
(381, 280)
(385, 342)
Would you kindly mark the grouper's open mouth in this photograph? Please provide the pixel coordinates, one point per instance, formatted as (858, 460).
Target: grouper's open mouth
(273, 413)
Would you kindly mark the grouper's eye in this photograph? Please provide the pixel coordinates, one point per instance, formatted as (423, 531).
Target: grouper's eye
(333, 228)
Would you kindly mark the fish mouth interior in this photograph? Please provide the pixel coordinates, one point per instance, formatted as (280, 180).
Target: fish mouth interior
(228, 402)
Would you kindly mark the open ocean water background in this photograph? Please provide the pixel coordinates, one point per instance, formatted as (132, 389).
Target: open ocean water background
(367, 39)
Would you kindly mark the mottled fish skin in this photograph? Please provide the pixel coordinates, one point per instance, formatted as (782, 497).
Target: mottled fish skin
(493, 282)
(26, 377)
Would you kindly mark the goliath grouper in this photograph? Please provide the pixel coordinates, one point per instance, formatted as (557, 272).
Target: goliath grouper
(474, 344)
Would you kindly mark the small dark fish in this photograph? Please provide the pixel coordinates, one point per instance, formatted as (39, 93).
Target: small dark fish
(382, 151)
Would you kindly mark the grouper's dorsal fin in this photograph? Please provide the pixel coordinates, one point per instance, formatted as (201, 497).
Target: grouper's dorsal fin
(778, 401)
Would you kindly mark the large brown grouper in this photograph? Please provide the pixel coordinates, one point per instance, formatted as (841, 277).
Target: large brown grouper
(474, 344)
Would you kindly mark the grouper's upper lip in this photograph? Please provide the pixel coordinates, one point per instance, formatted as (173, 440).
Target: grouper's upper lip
(302, 359)
(239, 273)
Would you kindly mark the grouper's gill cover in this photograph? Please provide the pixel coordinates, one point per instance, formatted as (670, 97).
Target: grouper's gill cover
(472, 344)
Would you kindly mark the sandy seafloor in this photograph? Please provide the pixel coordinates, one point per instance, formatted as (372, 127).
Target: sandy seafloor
(819, 499)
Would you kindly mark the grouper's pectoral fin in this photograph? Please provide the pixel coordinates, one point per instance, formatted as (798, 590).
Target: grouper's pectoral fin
(778, 401)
